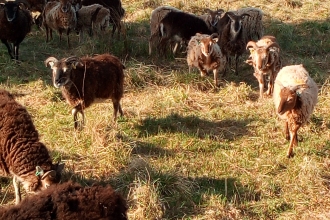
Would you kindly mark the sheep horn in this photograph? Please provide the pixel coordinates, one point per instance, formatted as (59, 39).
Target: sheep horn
(72, 59)
(245, 14)
(274, 44)
(220, 11)
(214, 35)
(50, 59)
(251, 44)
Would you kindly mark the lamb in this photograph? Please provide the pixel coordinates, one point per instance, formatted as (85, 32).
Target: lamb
(59, 16)
(92, 16)
(232, 41)
(171, 29)
(265, 59)
(70, 201)
(88, 79)
(22, 154)
(205, 54)
(116, 10)
(156, 16)
(295, 96)
(15, 24)
(211, 18)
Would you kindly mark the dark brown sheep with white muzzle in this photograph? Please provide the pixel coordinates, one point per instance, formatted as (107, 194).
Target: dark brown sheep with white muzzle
(83, 80)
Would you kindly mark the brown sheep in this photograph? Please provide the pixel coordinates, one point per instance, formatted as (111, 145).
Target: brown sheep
(83, 80)
(22, 154)
(70, 201)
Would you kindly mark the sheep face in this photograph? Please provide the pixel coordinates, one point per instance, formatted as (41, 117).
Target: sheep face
(62, 69)
(288, 100)
(65, 6)
(214, 16)
(236, 23)
(10, 9)
(207, 45)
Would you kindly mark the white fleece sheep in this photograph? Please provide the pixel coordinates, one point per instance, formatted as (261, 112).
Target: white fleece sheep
(295, 96)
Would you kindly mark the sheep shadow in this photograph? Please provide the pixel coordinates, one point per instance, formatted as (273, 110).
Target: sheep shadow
(227, 129)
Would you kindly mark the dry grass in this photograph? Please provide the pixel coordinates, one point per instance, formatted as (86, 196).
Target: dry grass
(185, 149)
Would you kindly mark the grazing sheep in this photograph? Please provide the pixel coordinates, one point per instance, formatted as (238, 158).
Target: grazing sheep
(205, 54)
(232, 41)
(211, 18)
(117, 12)
(295, 96)
(70, 201)
(84, 80)
(92, 16)
(15, 24)
(59, 16)
(171, 29)
(252, 26)
(265, 59)
(22, 154)
(156, 16)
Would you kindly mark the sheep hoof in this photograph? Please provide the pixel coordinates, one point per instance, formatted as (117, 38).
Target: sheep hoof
(290, 155)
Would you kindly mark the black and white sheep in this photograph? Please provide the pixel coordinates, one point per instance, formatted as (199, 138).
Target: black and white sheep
(15, 24)
(155, 18)
(117, 12)
(70, 201)
(59, 16)
(232, 41)
(22, 154)
(92, 18)
(87, 79)
(295, 96)
(204, 53)
(266, 61)
(171, 28)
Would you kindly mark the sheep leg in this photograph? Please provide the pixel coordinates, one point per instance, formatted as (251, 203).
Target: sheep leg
(293, 129)
(286, 131)
(236, 63)
(5, 42)
(75, 111)
(260, 79)
(116, 108)
(68, 39)
(215, 75)
(17, 190)
(16, 47)
(271, 84)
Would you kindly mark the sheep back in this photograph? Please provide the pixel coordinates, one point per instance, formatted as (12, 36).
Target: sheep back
(104, 78)
(20, 148)
(291, 77)
(70, 201)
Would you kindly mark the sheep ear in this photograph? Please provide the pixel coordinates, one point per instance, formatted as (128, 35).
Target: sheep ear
(60, 167)
(39, 171)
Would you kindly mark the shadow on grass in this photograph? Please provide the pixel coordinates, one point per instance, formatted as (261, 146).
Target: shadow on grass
(228, 129)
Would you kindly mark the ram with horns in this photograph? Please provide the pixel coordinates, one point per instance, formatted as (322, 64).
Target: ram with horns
(265, 59)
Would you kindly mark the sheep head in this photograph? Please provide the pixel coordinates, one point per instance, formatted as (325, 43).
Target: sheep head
(65, 5)
(214, 16)
(260, 57)
(62, 69)
(289, 98)
(11, 8)
(236, 23)
(206, 44)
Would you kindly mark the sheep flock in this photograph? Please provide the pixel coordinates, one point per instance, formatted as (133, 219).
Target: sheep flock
(225, 41)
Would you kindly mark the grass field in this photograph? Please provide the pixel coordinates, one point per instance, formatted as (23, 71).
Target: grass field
(185, 149)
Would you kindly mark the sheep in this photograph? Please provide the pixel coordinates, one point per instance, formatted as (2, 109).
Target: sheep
(84, 80)
(22, 154)
(232, 41)
(204, 53)
(265, 59)
(92, 16)
(171, 29)
(59, 16)
(156, 16)
(116, 10)
(211, 18)
(252, 26)
(15, 24)
(70, 200)
(295, 96)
